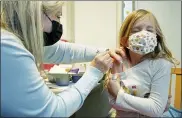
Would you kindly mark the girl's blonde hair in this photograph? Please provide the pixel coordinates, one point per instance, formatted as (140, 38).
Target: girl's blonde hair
(24, 20)
(161, 50)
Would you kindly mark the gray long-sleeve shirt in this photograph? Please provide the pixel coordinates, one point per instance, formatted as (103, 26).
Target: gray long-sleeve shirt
(148, 77)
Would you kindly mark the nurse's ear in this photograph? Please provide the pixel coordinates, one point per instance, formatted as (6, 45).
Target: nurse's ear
(47, 24)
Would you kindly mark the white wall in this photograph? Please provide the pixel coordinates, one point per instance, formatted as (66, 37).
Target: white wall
(63, 21)
(67, 20)
(168, 14)
(95, 23)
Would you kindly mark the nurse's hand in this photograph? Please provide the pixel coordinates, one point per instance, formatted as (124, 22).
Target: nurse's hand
(103, 61)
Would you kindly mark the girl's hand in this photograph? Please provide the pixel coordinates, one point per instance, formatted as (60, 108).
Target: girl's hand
(113, 86)
(168, 103)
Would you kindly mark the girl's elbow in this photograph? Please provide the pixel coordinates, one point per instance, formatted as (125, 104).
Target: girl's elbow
(157, 112)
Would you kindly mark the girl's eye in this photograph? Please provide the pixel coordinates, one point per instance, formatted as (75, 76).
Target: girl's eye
(135, 31)
(150, 30)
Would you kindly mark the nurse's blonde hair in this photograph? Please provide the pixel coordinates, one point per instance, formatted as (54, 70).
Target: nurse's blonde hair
(52, 7)
(24, 20)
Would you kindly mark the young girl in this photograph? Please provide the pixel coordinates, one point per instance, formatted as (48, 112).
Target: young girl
(142, 89)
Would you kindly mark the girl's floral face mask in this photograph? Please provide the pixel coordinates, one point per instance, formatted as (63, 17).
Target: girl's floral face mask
(142, 42)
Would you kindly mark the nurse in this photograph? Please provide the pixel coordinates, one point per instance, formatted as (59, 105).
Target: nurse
(30, 31)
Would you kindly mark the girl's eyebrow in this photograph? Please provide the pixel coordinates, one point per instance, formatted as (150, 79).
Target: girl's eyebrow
(149, 26)
(136, 27)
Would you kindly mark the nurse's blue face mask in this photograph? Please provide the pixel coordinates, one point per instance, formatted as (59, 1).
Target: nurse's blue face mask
(55, 35)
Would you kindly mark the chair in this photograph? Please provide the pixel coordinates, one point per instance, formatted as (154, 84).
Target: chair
(176, 110)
